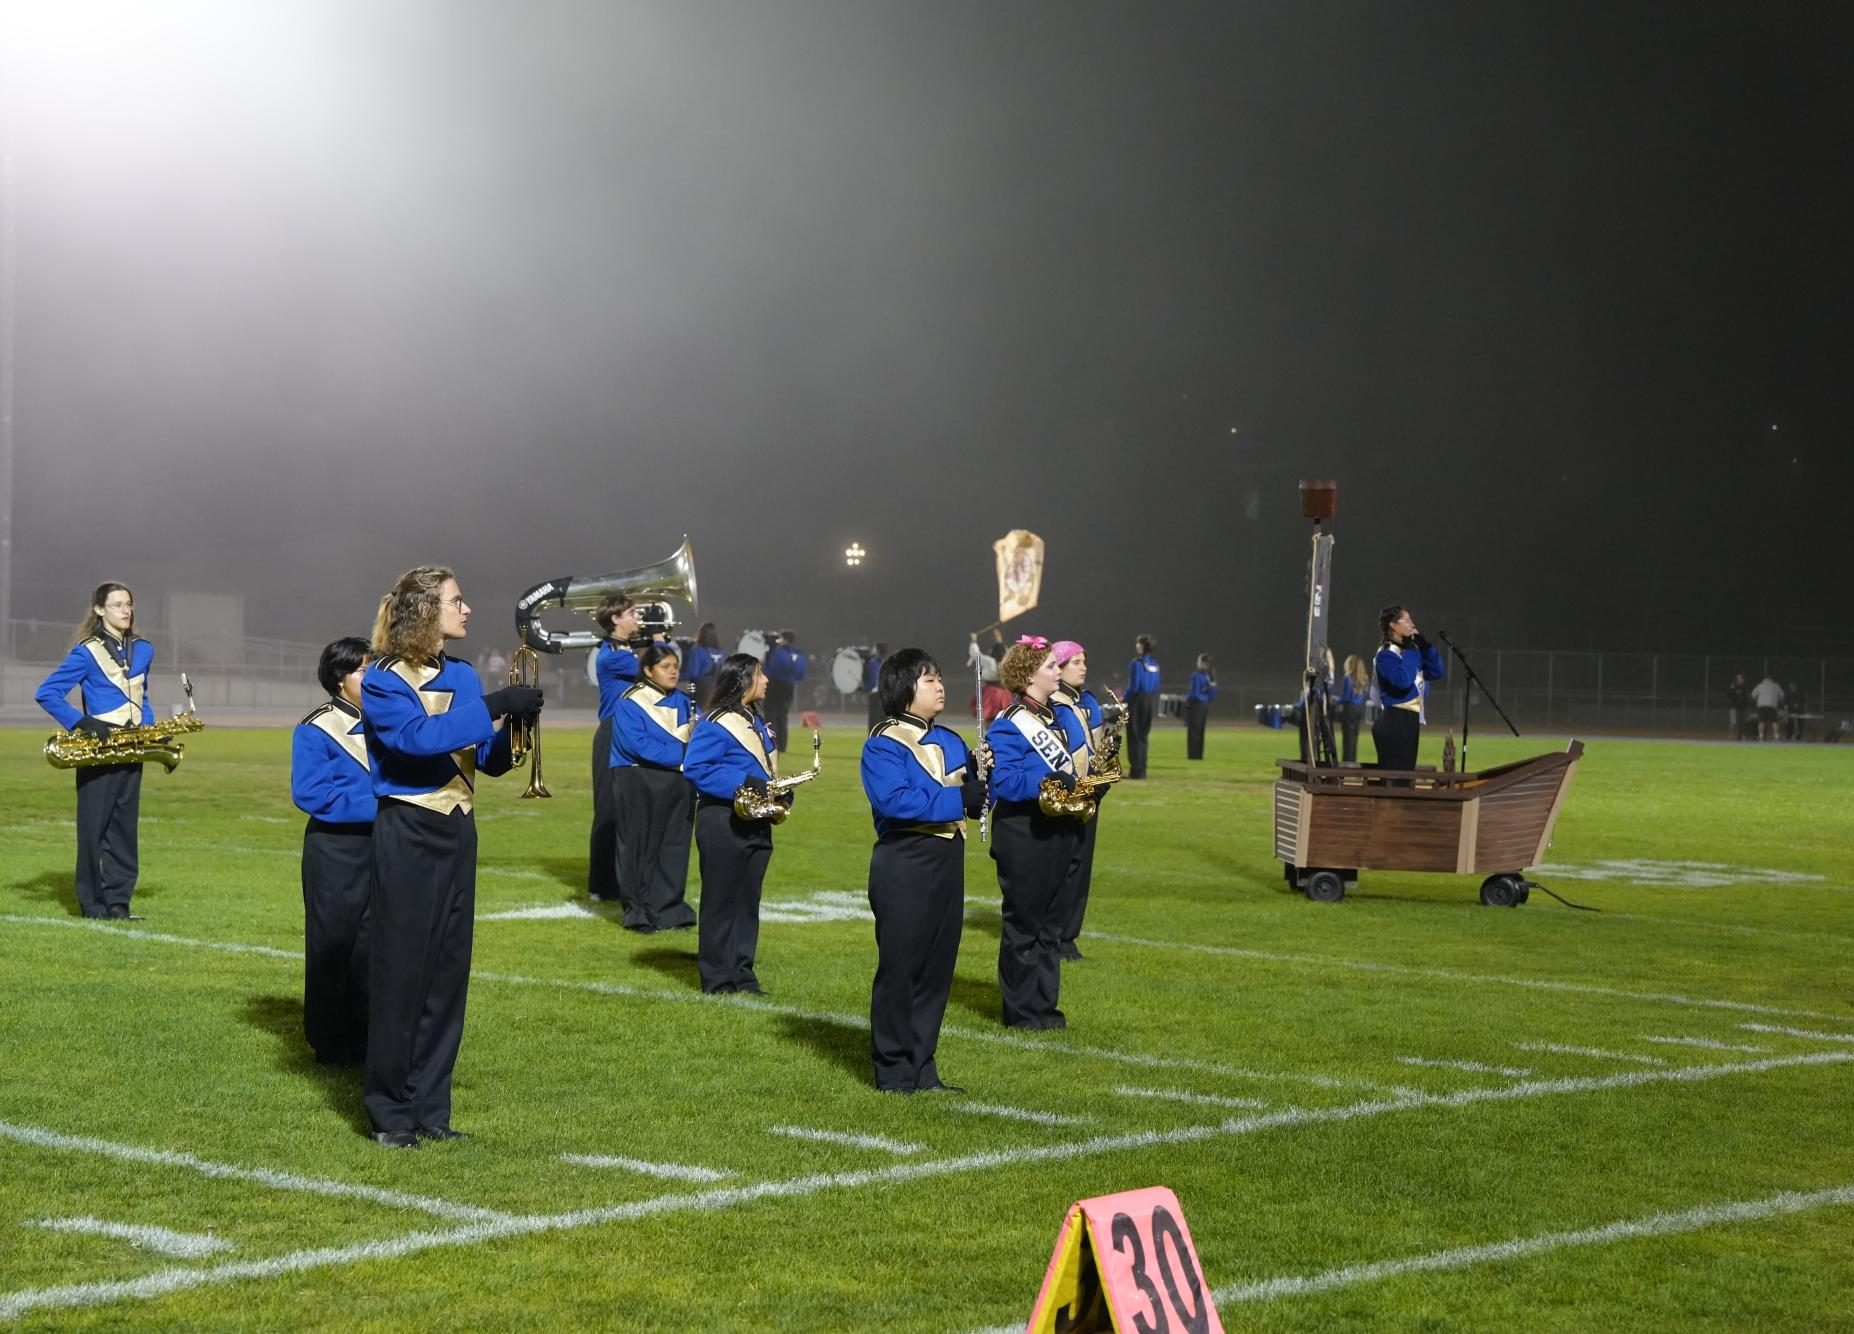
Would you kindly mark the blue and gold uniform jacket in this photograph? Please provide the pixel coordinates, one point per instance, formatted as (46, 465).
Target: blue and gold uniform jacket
(428, 732)
(914, 774)
(617, 672)
(651, 727)
(725, 750)
(1142, 676)
(1080, 724)
(1027, 745)
(784, 663)
(1404, 674)
(329, 776)
(703, 662)
(111, 677)
(1203, 689)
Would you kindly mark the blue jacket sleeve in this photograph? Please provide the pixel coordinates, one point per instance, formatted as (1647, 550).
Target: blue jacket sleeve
(494, 757)
(312, 785)
(1017, 771)
(1434, 668)
(148, 715)
(899, 790)
(1397, 670)
(51, 693)
(715, 764)
(399, 721)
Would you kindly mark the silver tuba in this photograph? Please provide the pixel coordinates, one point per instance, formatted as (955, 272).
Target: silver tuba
(670, 578)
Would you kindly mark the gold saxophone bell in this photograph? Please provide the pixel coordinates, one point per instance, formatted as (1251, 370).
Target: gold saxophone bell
(525, 733)
(752, 805)
(1082, 802)
(139, 743)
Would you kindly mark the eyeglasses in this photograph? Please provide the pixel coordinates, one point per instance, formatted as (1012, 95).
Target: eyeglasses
(456, 602)
(118, 606)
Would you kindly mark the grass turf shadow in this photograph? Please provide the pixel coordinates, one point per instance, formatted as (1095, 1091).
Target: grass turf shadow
(678, 966)
(340, 1087)
(841, 1044)
(59, 887)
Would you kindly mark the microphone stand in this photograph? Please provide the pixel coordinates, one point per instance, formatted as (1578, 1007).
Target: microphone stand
(1467, 696)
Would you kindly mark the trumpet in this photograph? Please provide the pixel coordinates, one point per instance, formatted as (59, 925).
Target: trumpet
(753, 805)
(525, 733)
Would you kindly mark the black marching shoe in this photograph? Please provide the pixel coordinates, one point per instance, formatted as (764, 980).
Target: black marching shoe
(395, 1139)
(937, 1087)
(441, 1132)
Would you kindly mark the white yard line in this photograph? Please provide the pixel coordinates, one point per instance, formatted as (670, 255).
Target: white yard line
(1198, 1099)
(180, 1245)
(1020, 1114)
(1798, 1033)
(130, 1153)
(668, 1171)
(1481, 979)
(1596, 1053)
(1472, 1067)
(1705, 1044)
(125, 932)
(895, 1146)
(15, 1304)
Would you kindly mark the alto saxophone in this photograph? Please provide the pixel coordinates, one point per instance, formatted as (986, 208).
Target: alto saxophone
(1082, 801)
(751, 804)
(136, 743)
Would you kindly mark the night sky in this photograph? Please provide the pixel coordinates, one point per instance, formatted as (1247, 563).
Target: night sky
(307, 293)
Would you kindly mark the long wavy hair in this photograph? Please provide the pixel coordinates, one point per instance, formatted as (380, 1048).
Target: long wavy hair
(92, 624)
(732, 682)
(407, 622)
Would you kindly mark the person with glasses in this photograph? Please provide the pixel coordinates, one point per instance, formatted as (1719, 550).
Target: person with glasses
(430, 730)
(108, 666)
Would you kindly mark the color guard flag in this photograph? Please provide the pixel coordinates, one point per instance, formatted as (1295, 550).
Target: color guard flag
(1020, 572)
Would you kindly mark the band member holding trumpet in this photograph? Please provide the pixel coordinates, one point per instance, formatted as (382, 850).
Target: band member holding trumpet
(1080, 714)
(922, 788)
(731, 748)
(616, 667)
(331, 784)
(649, 734)
(109, 668)
(430, 729)
(1035, 851)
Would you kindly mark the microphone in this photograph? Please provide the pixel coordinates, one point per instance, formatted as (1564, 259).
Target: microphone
(1443, 636)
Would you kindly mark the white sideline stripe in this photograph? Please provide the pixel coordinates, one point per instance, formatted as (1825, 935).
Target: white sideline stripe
(998, 1037)
(671, 1171)
(540, 913)
(1180, 1095)
(1707, 1044)
(1490, 979)
(263, 1176)
(1654, 1225)
(1798, 1033)
(1599, 1053)
(184, 1245)
(165, 1281)
(896, 1146)
(1472, 1067)
(1021, 1114)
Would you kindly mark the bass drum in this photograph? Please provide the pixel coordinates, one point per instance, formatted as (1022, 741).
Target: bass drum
(592, 666)
(753, 642)
(846, 669)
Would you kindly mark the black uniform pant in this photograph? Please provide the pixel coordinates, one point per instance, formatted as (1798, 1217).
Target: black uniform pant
(1396, 734)
(109, 810)
(1349, 717)
(653, 809)
(337, 884)
(1074, 903)
(1035, 853)
(917, 890)
(1140, 711)
(734, 853)
(420, 929)
(602, 880)
(1197, 714)
(778, 709)
(875, 709)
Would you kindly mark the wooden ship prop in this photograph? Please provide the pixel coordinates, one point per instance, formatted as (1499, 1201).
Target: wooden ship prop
(1331, 820)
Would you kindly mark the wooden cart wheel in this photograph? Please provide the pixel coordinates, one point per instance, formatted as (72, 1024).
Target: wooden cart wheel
(1503, 891)
(1325, 887)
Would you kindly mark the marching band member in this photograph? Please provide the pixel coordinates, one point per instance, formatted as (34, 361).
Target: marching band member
(705, 657)
(1035, 852)
(1079, 713)
(1354, 698)
(1197, 706)
(1142, 701)
(649, 732)
(785, 668)
(331, 784)
(430, 729)
(109, 667)
(1406, 664)
(921, 790)
(616, 668)
(730, 747)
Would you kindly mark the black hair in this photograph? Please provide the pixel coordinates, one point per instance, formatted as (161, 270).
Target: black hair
(788, 636)
(1385, 617)
(338, 659)
(658, 650)
(732, 682)
(708, 636)
(1145, 644)
(901, 672)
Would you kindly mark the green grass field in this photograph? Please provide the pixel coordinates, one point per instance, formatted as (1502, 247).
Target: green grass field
(1404, 1111)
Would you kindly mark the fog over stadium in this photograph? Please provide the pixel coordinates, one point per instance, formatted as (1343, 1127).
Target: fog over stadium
(302, 294)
